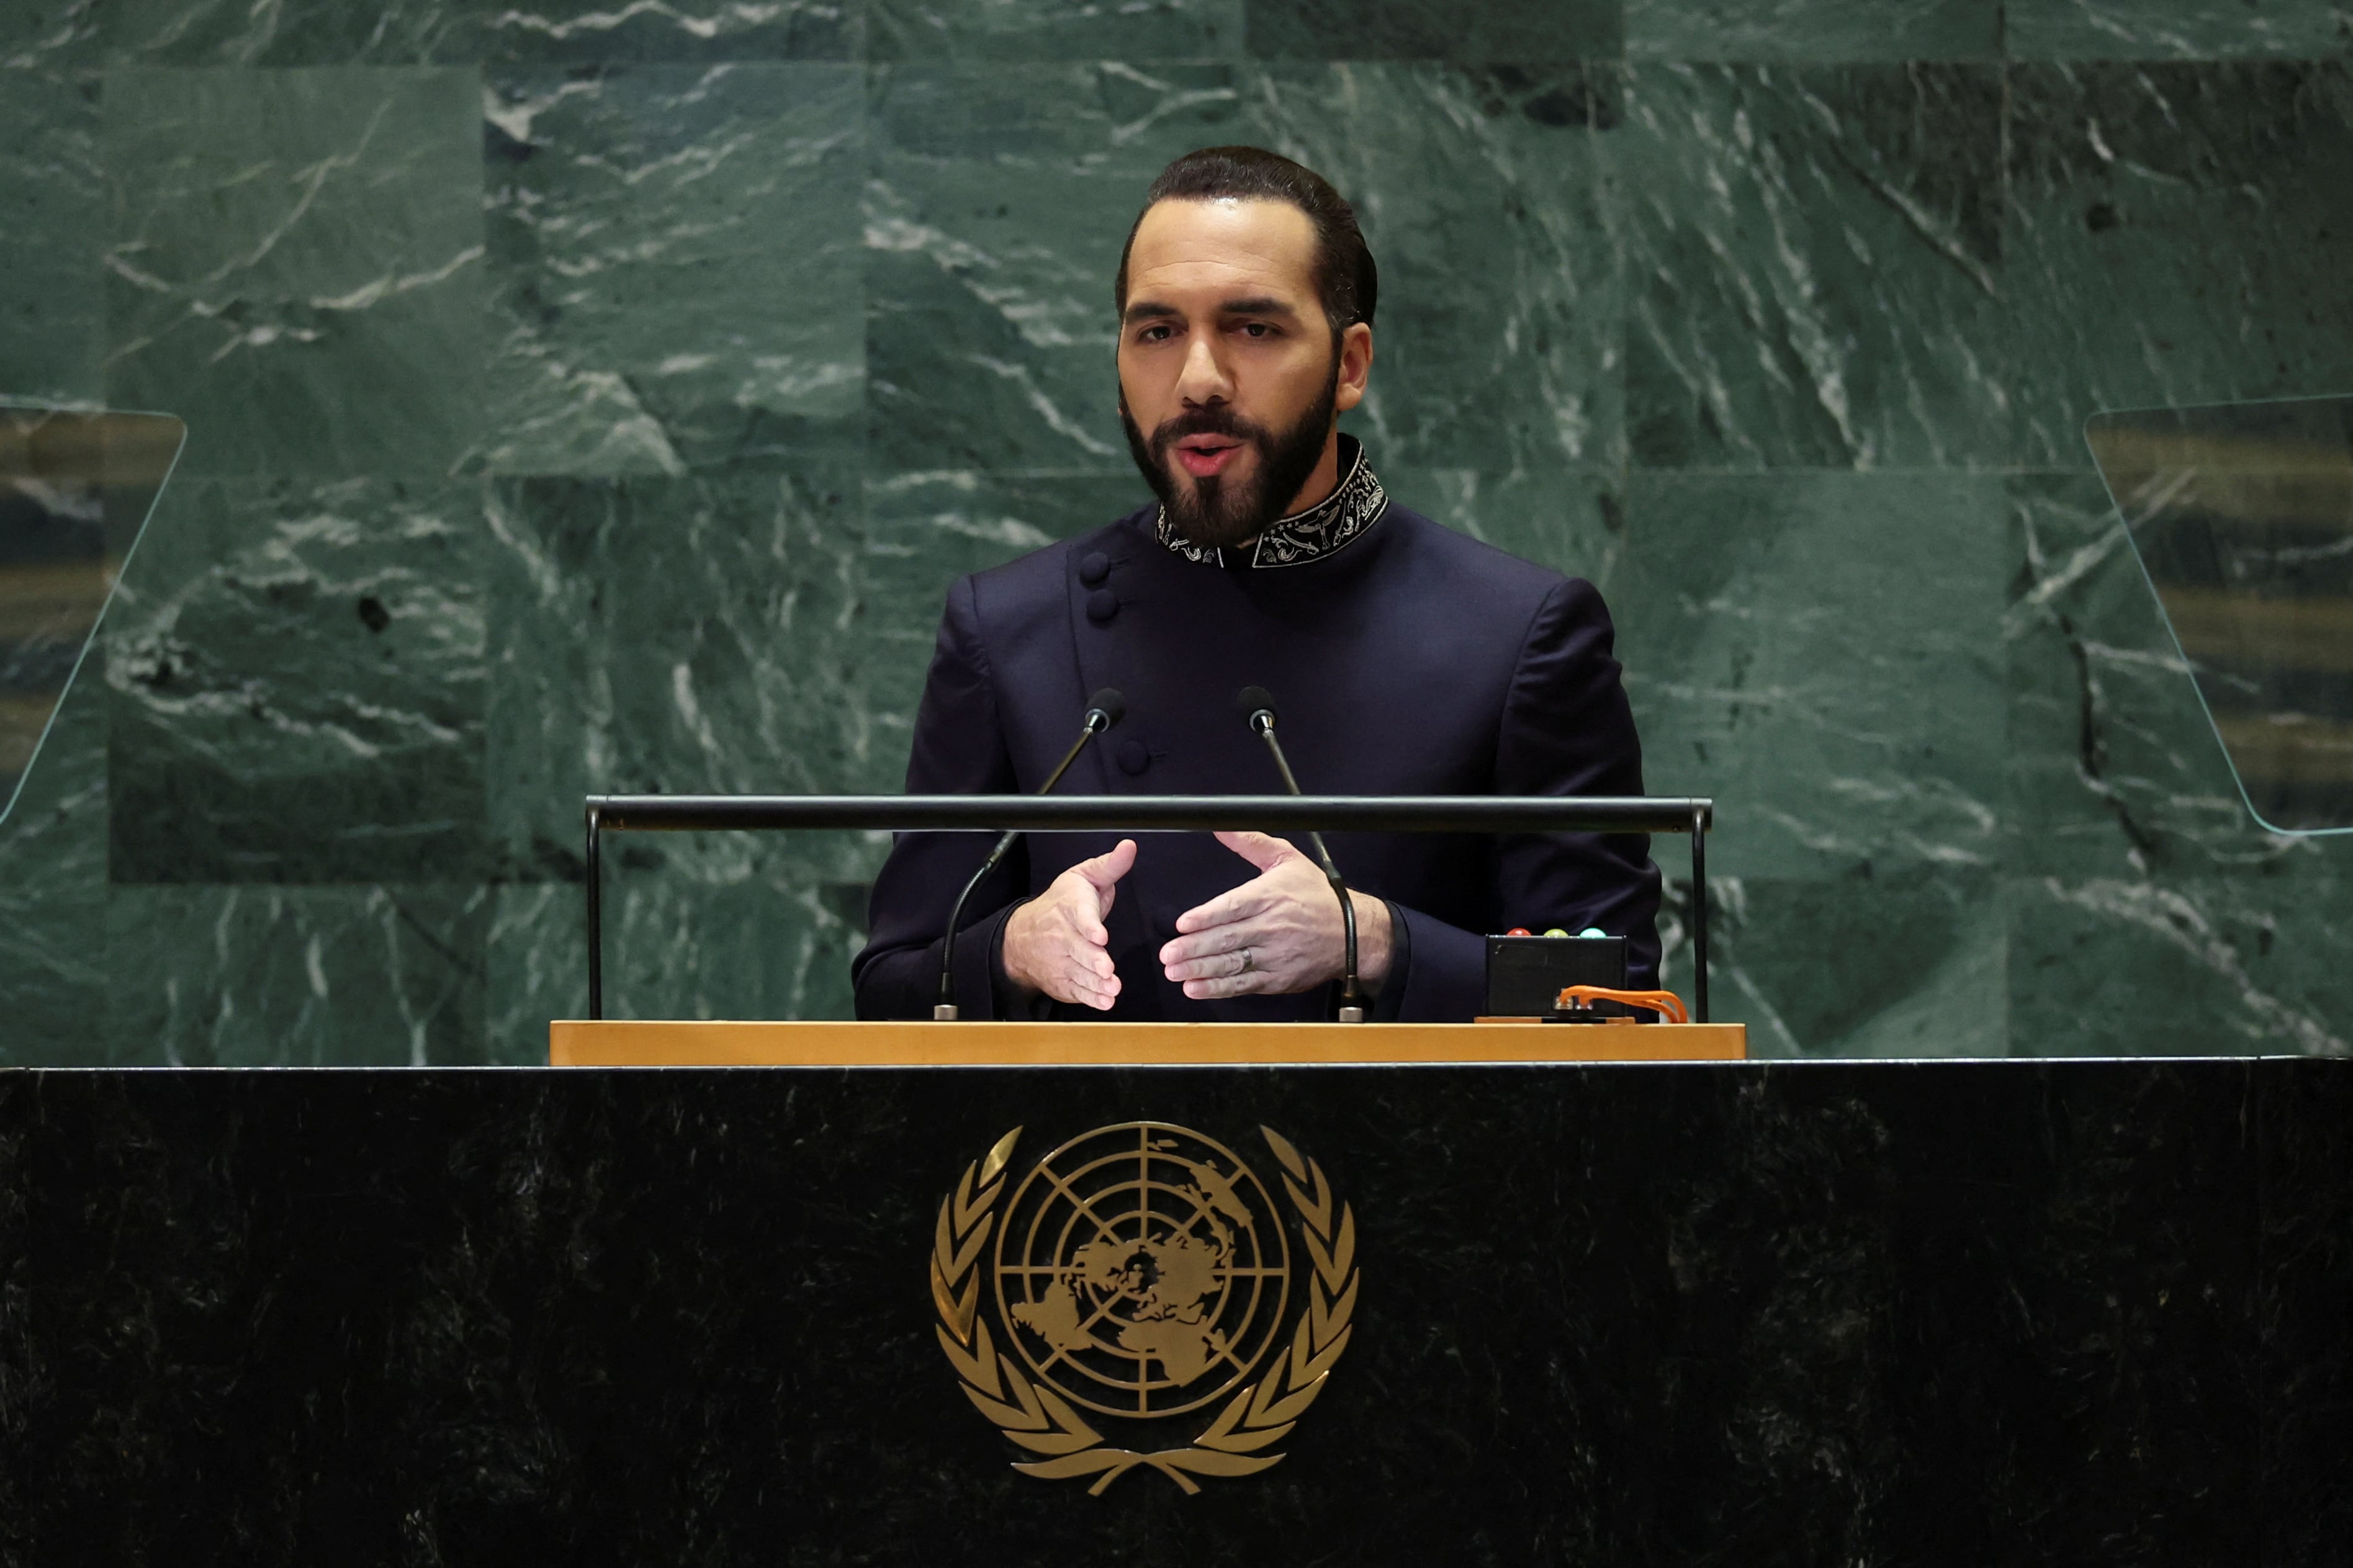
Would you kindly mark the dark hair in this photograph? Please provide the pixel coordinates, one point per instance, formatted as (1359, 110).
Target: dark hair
(1346, 280)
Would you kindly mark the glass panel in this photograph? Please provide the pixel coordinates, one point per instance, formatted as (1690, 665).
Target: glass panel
(2243, 517)
(76, 489)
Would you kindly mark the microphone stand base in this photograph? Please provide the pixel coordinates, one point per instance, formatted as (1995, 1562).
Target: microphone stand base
(943, 1013)
(1352, 1015)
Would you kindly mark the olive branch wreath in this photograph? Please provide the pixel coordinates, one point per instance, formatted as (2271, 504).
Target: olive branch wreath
(1035, 1416)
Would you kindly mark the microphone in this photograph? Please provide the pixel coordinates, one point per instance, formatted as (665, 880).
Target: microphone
(1257, 705)
(1104, 709)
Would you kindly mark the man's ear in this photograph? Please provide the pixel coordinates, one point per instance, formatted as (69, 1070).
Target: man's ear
(1356, 365)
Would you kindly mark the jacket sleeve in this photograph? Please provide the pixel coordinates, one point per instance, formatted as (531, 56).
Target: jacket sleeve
(959, 748)
(1566, 729)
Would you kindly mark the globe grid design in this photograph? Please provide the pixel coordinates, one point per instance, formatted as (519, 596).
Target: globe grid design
(1141, 1270)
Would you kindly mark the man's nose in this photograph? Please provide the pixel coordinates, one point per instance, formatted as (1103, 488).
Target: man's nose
(1204, 379)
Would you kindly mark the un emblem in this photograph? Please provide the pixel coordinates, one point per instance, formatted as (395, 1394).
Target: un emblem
(1142, 1272)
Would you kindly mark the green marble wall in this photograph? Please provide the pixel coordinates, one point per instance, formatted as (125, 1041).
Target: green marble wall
(592, 397)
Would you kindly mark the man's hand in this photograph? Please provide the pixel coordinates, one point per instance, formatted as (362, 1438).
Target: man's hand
(1056, 942)
(1277, 933)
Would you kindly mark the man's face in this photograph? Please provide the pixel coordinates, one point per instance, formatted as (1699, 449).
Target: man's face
(1227, 360)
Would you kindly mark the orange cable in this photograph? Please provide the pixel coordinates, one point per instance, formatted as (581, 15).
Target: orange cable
(1666, 1004)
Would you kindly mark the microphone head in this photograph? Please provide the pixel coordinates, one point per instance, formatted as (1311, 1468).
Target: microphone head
(1253, 701)
(1110, 704)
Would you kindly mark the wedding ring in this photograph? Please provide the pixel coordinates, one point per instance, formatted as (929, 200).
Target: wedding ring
(1249, 962)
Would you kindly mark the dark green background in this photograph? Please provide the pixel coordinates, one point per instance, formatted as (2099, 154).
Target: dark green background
(603, 398)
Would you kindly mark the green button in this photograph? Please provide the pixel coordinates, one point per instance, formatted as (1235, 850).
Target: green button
(1556, 931)
(1593, 931)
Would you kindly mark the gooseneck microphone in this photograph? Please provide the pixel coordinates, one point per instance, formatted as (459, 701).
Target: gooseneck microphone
(1104, 709)
(1258, 706)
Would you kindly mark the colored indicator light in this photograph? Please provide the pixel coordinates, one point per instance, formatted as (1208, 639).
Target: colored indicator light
(1517, 931)
(1556, 931)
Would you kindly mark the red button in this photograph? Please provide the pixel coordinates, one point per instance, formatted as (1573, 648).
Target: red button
(1517, 931)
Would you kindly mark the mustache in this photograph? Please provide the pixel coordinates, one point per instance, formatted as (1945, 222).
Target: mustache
(1206, 422)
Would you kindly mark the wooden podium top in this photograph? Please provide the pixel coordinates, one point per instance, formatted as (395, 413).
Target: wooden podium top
(616, 1043)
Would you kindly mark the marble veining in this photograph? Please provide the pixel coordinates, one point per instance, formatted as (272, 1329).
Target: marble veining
(295, 674)
(296, 261)
(2120, 177)
(1054, 29)
(53, 185)
(218, 33)
(54, 894)
(677, 256)
(1816, 266)
(1820, 30)
(260, 976)
(2176, 29)
(1501, 30)
(605, 395)
(1847, 671)
(1912, 964)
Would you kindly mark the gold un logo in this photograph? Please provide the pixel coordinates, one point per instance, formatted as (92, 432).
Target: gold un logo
(1142, 1274)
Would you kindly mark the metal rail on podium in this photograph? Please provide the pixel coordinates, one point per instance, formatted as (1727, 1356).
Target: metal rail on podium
(1138, 814)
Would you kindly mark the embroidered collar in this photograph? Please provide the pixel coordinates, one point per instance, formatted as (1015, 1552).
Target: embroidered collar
(1331, 524)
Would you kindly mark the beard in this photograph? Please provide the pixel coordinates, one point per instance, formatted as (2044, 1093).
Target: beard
(1216, 513)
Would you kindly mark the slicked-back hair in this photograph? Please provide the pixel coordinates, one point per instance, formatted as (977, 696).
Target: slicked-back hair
(1346, 280)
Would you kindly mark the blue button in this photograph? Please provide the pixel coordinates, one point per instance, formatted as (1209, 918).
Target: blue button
(1094, 568)
(1102, 606)
(1134, 756)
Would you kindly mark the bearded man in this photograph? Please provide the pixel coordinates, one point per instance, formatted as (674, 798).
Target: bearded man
(1411, 659)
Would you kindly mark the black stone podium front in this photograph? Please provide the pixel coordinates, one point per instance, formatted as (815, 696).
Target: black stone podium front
(1990, 1313)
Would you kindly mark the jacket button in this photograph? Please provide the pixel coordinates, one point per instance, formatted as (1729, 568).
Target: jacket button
(1094, 568)
(1134, 756)
(1102, 606)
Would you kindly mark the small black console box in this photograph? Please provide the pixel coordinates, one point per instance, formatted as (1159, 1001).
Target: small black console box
(1525, 974)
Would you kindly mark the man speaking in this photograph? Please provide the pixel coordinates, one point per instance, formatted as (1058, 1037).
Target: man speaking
(1406, 658)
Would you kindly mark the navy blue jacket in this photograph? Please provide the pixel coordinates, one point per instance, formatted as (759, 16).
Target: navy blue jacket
(1413, 660)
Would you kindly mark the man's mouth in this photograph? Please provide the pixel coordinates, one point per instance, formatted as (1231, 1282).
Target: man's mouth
(1207, 456)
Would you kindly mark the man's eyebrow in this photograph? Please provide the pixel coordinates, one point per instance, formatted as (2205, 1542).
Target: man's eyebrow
(1249, 305)
(1257, 305)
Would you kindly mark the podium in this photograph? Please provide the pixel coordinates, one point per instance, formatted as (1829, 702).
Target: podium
(1601, 1312)
(616, 1043)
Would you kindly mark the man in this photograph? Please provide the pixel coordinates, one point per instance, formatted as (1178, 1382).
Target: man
(1408, 659)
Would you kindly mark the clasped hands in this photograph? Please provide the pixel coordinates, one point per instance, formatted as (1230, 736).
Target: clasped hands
(1277, 933)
